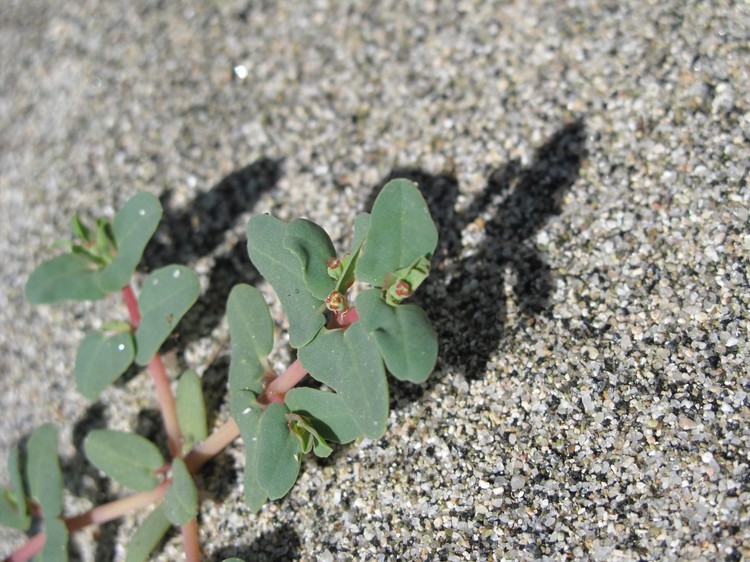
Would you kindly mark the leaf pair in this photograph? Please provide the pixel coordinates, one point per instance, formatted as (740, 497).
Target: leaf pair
(43, 480)
(293, 258)
(136, 463)
(76, 276)
(275, 437)
(167, 294)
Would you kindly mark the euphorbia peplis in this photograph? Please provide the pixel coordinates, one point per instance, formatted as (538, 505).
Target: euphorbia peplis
(347, 346)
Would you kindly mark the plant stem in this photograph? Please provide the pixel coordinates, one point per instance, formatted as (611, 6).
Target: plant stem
(118, 508)
(167, 405)
(277, 388)
(209, 448)
(132, 303)
(97, 515)
(161, 381)
(32, 547)
(190, 542)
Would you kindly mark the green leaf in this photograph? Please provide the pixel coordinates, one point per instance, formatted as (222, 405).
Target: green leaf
(281, 267)
(191, 409)
(403, 333)
(55, 542)
(313, 248)
(43, 470)
(247, 412)
(181, 499)
(13, 509)
(349, 362)
(232, 560)
(100, 360)
(279, 452)
(148, 536)
(130, 459)
(134, 225)
(65, 277)
(361, 226)
(80, 230)
(167, 294)
(310, 438)
(251, 329)
(328, 411)
(401, 230)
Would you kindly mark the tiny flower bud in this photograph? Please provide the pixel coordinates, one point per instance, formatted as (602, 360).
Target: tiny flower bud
(335, 268)
(335, 302)
(403, 289)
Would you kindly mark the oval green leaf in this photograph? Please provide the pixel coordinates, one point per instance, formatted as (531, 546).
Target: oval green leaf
(181, 499)
(191, 408)
(167, 294)
(55, 541)
(251, 329)
(148, 535)
(313, 248)
(349, 362)
(101, 360)
(13, 509)
(328, 411)
(43, 470)
(247, 412)
(281, 267)
(279, 452)
(65, 277)
(401, 230)
(134, 225)
(403, 333)
(130, 459)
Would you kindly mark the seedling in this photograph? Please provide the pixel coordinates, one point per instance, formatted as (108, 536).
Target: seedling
(344, 344)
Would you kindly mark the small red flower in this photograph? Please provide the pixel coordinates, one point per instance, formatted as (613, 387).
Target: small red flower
(403, 289)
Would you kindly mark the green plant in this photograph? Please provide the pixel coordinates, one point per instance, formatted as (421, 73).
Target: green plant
(344, 347)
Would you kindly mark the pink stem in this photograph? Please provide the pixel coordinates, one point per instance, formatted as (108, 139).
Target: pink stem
(190, 541)
(207, 450)
(167, 405)
(132, 303)
(98, 515)
(32, 547)
(276, 389)
(161, 380)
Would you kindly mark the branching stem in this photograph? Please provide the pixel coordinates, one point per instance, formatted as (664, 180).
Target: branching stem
(277, 388)
(209, 448)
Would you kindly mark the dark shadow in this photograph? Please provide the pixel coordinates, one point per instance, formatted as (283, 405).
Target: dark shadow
(280, 544)
(196, 232)
(464, 296)
(149, 424)
(185, 235)
(84, 480)
(218, 478)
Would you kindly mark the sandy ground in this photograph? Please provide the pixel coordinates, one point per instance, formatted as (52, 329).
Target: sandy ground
(586, 163)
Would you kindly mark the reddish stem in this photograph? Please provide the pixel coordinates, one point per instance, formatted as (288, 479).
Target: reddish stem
(98, 515)
(32, 547)
(190, 541)
(132, 303)
(207, 450)
(277, 388)
(167, 405)
(160, 378)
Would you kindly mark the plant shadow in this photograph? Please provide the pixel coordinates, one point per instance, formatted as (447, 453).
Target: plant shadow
(465, 296)
(198, 231)
(282, 543)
